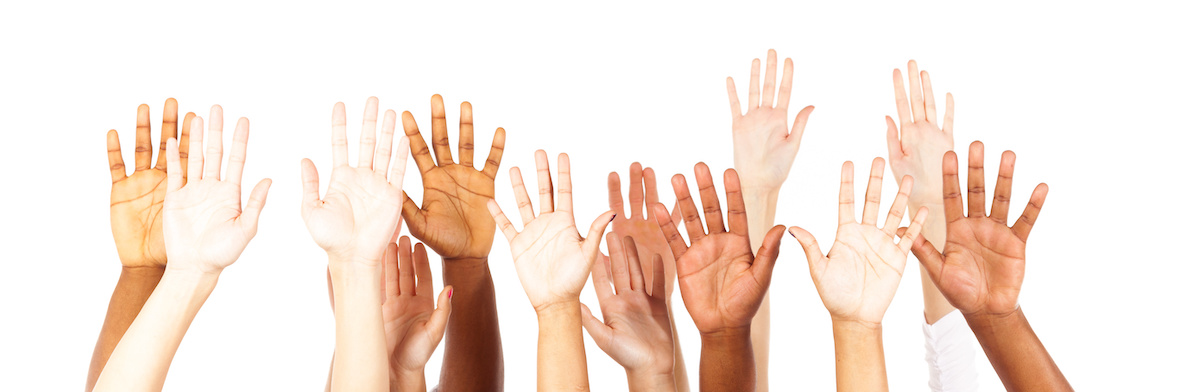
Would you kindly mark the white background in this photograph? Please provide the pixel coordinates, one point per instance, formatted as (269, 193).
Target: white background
(1098, 101)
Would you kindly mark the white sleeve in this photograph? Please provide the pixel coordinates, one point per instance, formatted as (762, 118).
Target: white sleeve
(950, 352)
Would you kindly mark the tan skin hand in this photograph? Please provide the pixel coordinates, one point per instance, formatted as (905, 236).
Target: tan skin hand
(136, 201)
(643, 228)
(636, 331)
(412, 326)
(453, 217)
(916, 148)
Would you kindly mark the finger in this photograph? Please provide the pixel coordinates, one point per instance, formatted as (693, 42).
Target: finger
(591, 244)
(928, 256)
(1003, 194)
(691, 217)
(735, 107)
(258, 200)
(902, 108)
(466, 135)
(510, 232)
(493, 161)
(185, 142)
(383, 149)
(545, 186)
(601, 333)
(619, 262)
(143, 146)
(785, 86)
(436, 326)
(399, 165)
(895, 148)
(310, 183)
(676, 215)
(914, 229)
(601, 280)
(174, 174)
(616, 201)
(522, 197)
(195, 162)
(637, 279)
(754, 86)
(659, 285)
(874, 193)
(951, 198)
(341, 155)
(948, 122)
(421, 265)
(764, 259)
(927, 90)
(708, 198)
(768, 98)
(116, 165)
(669, 230)
(914, 90)
(391, 271)
(169, 127)
(414, 216)
(213, 151)
(797, 133)
(237, 155)
(846, 195)
(812, 250)
(636, 196)
(976, 188)
(1025, 223)
(651, 188)
(366, 138)
(420, 150)
(896, 214)
(737, 205)
(564, 183)
(441, 137)
(407, 276)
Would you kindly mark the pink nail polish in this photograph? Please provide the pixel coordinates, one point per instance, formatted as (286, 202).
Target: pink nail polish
(450, 294)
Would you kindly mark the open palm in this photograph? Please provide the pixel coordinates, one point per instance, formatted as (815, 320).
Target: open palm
(917, 146)
(763, 148)
(453, 218)
(721, 280)
(136, 201)
(636, 331)
(859, 277)
(983, 264)
(412, 326)
(552, 260)
(649, 240)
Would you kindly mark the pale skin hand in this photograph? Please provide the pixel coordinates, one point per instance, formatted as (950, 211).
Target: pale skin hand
(353, 223)
(412, 326)
(636, 331)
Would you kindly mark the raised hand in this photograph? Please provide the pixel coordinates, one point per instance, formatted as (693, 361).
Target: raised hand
(412, 326)
(643, 190)
(204, 226)
(636, 331)
(552, 260)
(136, 200)
(916, 148)
(763, 147)
(721, 280)
(983, 264)
(859, 277)
(453, 218)
(361, 207)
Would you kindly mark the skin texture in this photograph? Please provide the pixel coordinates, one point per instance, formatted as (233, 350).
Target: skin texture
(643, 190)
(915, 149)
(412, 326)
(454, 221)
(553, 263)
(981, 269)
(721, 280)
(354, 223)
(205, 229)
(763, 152)
(136, 216)
(859, 277)
(636, 331)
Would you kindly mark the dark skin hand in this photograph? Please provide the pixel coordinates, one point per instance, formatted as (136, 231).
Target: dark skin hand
(136, 215)
(981, 270)
(454, 221)
(722, 281)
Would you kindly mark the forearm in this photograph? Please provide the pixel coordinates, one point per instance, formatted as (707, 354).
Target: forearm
(858, 354)
(760, 217)
(473, 359)
(727, 361)
(1014, 350)
(360, 359)
(561, 362)
(133, 289)
(934, 231)
(141, 359)
(681, 375)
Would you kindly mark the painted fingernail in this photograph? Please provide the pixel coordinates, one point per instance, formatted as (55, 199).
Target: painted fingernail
(793, 234)
(450, 294)
(614, 216)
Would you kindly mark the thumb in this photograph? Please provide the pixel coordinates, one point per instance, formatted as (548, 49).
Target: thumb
(436, 326)
(811, 249)
(258, 199)
(600, 332)
(310, 185)
(591, 244)
(764, 259)
(928, 256)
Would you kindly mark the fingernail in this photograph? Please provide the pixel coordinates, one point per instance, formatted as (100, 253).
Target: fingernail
(793, 234)
(450, 294)
(614, 216)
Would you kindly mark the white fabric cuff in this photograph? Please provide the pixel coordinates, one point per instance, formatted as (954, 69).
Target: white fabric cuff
(950, 353)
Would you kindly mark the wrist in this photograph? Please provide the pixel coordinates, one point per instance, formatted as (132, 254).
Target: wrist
(339, 265)
(641, 380)
(147, 272)
(556, 308)
(407, 379)
(190, 279)
(994, 320)
(726, 334)
(750, 190)
(859, 327)
(465, 266)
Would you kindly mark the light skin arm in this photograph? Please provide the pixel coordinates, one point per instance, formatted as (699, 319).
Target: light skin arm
(763, 152)
(354, 223)
(454, 221)
(915, 149)
(859, 277)
(205, 229)
(136, 213)
(721, 280)
(553, 263)
(982, 268)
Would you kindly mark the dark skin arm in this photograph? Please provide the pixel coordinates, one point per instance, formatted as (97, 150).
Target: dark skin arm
(454, 221)
(727, 361)
(981, 270)
(136, 215)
